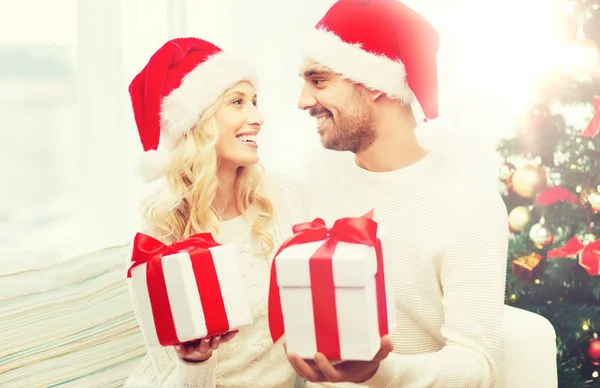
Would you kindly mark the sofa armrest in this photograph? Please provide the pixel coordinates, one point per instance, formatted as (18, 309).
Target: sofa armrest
(529, 351)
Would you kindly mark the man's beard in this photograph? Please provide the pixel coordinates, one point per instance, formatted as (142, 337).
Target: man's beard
(352, 132)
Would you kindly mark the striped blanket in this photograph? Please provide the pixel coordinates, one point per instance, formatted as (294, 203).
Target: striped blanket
(68, 324)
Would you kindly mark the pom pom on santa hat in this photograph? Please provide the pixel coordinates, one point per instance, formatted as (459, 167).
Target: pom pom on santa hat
(183, 78)
(381, 44)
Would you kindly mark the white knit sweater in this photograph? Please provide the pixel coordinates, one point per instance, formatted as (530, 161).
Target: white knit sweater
(449, 236)
(250, 359)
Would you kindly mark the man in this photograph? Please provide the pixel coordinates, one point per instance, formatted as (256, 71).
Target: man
(365, 63)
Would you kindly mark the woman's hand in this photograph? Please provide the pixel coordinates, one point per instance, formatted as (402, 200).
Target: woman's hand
(201, 350)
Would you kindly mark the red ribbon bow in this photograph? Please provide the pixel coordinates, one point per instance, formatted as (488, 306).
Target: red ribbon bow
(361, 230)
(148, 250)
(589, 255)
(593, 127)
(555, 194)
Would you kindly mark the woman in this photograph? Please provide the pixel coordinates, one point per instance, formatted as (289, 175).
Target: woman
(196, 111)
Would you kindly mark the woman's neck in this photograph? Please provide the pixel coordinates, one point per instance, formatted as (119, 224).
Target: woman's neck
(226, 194)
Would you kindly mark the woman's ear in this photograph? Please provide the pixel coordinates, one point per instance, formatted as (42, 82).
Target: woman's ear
(375, 94)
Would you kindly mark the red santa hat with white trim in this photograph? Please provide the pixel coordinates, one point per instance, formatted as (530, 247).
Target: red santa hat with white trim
(183, 78)
(381, 44)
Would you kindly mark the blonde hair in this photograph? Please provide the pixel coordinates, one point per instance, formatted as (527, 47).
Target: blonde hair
(190, 202)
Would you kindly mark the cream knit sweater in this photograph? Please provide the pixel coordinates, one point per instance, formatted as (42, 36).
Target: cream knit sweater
(449, 235)
(250, 359)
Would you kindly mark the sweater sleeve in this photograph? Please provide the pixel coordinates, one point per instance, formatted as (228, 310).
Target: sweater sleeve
(473, 276)
(161, 369)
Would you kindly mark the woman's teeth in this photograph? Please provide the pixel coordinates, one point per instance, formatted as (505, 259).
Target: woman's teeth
(247, 138)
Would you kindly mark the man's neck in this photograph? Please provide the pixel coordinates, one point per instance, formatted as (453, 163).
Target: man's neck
(396, 146)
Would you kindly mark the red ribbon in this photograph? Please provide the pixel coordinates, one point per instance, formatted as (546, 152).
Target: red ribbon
(149, 250)
(361, 230)
(593, 127)
(555, 194)
(589, 254)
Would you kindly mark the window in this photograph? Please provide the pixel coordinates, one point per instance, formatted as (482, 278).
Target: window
(38, 105)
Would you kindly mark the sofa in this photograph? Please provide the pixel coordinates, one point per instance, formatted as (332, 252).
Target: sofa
(69, 323)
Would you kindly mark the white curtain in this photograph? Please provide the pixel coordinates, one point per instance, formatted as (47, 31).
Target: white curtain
(68, 183)
(114, 41)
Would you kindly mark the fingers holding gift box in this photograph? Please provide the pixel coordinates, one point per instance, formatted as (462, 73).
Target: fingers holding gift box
(187, 291)
(201, 350)
(329, 290)
(321, 369)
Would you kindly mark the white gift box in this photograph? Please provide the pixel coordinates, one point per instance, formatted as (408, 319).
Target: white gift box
(354, 269)
(183, 294)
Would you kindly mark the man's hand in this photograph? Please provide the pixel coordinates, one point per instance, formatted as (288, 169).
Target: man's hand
(322, 370)
(201, 350)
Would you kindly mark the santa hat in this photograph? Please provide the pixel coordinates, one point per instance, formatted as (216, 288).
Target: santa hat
(183, 78)
(381, 44)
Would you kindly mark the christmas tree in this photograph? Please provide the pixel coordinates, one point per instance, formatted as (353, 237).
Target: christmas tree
(551, 185)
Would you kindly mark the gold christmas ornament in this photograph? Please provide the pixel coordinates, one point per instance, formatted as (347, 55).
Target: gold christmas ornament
(518, 218)
(582, 55)
(540, 235)
(528, 180)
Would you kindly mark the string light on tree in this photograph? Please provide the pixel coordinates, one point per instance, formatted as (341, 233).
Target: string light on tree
(591, 198)
(588, 238)
(506, 172)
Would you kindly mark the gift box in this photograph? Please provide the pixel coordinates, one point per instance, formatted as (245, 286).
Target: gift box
(329, 292)
(527, 267)
(188, 290)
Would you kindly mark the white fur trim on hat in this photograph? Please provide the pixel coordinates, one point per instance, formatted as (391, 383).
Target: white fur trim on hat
(376, 72)
(182, 108)
(153, 164)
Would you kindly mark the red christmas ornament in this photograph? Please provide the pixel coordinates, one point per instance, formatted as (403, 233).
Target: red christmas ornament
(593, 352)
